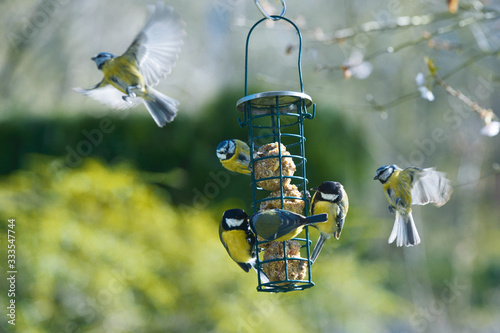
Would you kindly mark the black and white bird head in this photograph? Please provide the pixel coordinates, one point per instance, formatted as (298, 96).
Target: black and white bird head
(234, 219)
(226, 149)
(101, 58)
(385, 172)
(330, 191)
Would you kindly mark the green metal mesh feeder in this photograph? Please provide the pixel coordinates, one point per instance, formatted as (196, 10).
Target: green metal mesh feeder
(276, 139)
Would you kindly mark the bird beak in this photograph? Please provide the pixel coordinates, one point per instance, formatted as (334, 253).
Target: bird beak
(375, 178)
(314, 189)
(93, 58)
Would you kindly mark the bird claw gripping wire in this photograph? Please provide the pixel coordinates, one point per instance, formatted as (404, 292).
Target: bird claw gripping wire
(269, 17)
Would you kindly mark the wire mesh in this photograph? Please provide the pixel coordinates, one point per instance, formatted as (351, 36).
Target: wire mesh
(276, 118)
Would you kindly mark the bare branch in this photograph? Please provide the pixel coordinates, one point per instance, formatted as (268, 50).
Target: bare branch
(405, 21)
(486, 114)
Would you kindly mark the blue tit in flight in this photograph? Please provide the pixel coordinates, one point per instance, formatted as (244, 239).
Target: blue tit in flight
(129, 78)
(281, 225)
(330, 198)
(234, 155)
(411, 186)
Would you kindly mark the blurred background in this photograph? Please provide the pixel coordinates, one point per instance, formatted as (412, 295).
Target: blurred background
(117, 219)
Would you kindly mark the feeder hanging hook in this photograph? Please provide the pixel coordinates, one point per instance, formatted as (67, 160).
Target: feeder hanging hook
(269, 17)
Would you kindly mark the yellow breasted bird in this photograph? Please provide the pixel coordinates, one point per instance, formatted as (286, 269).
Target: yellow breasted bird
(330, 198)
(281, 225)
(129, 78)
(411, 186)
(239, 241)
(234, 155)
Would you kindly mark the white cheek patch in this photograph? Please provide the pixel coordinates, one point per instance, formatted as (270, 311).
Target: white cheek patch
(232, 223)
(329, 197)
(386, 174)
(221, 155)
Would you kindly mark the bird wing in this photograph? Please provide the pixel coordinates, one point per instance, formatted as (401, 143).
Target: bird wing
(243, 152)
(157, 46)
(290, 222)
(340, 220)
(275, 224)
(109, 95)
(313, 201)
(342, 208)
(430, 186)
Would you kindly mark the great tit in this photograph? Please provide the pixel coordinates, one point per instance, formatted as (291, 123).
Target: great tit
(129, 78)
(239, 241)
(411, 186)
(330, 198)
(281, 225)
(234, 155)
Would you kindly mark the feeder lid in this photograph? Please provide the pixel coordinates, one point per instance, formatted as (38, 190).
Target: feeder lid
(267, 100)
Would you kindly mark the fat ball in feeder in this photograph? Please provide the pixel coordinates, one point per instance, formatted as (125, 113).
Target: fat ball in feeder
(276, 140)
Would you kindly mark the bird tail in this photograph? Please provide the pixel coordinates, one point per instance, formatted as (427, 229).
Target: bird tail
(317, 248)
(162, 108)
(404, 230)
(340, 226)
(318, 218)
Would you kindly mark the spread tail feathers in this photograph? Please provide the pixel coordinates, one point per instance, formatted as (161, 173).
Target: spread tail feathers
(162, 108)
(404, 230)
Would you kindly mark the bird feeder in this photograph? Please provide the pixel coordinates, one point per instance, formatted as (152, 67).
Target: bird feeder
(275, 122)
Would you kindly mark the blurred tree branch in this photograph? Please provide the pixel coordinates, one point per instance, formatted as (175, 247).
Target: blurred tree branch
(416, 94)
(405, 21)
(486, 114)
(470, 15)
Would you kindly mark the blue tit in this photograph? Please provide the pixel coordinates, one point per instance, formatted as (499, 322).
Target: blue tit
(234, 156)
(330, 198)
(281, 225)
(239, 241)
(129, 78)
(411, 186)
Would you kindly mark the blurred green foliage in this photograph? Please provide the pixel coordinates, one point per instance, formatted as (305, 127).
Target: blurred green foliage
(123, 238)
(116, 219)
(117, 227)
(100, 249)
(181, 156)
